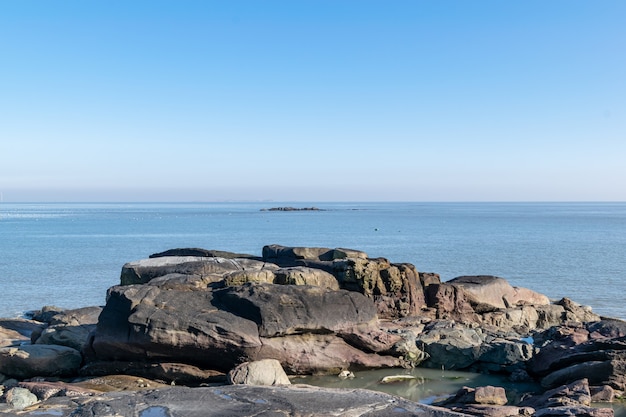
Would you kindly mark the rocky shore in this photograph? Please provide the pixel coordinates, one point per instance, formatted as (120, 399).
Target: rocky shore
(203, 332)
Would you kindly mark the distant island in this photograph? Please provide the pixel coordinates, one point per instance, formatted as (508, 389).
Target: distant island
(292, 209)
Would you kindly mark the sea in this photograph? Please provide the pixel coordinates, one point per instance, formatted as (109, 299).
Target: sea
(68, 255)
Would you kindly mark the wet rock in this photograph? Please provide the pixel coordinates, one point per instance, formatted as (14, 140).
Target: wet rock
(263, 372)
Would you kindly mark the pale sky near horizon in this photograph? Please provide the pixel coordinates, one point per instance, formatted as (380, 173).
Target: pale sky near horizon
(313, 100)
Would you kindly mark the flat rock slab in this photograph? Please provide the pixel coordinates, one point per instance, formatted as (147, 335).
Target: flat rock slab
(239, 400)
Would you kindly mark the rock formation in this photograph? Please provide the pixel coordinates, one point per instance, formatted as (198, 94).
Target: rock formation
(192, 316)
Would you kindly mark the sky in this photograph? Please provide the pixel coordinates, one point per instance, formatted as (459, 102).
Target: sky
(312, 100)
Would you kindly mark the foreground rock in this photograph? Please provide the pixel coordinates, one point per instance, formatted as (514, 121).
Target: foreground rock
(239, 400)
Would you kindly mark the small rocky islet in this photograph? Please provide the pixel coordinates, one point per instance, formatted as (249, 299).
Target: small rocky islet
(196, 332)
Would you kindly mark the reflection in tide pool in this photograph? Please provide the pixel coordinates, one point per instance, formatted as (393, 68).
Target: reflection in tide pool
(430, 385)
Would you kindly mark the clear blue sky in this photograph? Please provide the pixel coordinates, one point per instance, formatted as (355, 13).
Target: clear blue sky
(319, 100)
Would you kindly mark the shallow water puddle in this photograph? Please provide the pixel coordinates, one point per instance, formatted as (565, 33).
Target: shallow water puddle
(155, 411)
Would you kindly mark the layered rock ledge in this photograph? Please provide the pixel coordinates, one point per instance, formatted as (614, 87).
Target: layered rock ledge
(189, 316)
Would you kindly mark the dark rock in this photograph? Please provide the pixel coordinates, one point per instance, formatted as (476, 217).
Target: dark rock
(70, 328)
(568, 353)
(145, 323)
(574, 394)
(28, 361)
(282, 310)
(488, 395)
(218, 329)
(202, 252)
(288, 256)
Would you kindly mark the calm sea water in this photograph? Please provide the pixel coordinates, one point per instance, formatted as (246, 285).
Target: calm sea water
(69, 254)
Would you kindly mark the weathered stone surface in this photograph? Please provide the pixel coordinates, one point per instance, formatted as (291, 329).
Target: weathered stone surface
(28, 361)
(302, 275)
(450, 302)
(320, 354)
(176, 373)
(145, 323)
(142, 271)
(69, 328)
(244, 400)
(242, 277)
(18, 331)
(450, 345)
(568, 400)
(576, 393)
(502, 354)
(286, 256)
(47, 389)
(262, 372)
(595, 351)
(280, 310)
(487, 293)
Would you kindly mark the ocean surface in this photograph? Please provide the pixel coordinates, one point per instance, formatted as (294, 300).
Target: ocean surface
(69, 254)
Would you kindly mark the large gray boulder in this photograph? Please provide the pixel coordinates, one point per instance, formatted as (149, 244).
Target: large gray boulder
(301, 326)
(146, 323)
